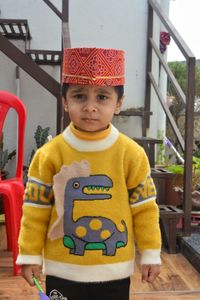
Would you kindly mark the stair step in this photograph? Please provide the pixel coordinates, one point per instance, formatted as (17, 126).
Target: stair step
(147, 140)
(190, 248)
(135, 112)
(158, 172)
(170, 216)
(45, 57)
(15, 29)
(170, 209)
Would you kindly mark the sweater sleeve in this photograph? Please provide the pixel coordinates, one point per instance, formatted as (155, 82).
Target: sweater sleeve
(38, 200)
(145, 212)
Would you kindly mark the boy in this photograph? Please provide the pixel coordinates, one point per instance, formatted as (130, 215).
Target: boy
(90, 195)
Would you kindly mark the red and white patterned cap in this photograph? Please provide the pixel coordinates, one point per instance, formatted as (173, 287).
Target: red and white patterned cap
(93, 66)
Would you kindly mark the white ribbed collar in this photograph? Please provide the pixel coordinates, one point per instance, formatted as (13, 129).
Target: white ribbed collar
(90, 145)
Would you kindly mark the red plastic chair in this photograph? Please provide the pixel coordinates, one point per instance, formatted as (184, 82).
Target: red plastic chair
(12, 189)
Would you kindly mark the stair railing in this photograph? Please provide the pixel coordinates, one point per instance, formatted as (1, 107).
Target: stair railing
(29, 66)
(65, 43)
(188, 98)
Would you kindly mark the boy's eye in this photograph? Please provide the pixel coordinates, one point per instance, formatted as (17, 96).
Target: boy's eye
(102, 97)
(79, 96)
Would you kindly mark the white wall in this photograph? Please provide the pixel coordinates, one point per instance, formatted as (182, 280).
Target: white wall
(40, 104)
(118, 24)
(97, 23)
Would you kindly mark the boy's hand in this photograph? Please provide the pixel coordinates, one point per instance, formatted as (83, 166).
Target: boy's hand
(30, 271)
(150, 272)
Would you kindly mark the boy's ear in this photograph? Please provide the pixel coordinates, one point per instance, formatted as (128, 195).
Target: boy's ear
(119, 105)
(65, 104)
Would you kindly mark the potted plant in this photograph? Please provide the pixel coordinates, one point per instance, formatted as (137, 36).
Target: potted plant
(174, 182)
(5, 156)
(178, 184)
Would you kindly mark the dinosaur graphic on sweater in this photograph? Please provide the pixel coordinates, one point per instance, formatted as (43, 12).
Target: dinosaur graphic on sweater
(86, 232)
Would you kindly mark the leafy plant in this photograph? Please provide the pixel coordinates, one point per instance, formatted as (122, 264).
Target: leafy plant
(176, 169)
(40, 136)
(196, 173)
(5, 156)
(177, 182)
(161, 157)
(179, 169)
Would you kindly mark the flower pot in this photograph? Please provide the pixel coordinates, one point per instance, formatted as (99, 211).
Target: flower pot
(171, 196)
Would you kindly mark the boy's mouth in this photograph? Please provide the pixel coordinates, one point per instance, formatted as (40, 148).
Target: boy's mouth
(89, 119)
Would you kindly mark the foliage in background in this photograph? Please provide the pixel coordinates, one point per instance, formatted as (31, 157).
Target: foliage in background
(197, 151)
(177, 107)
(41, 137)
(179, 70)
(5, 156)
(197, 105)
(179, 169)
(160, 157)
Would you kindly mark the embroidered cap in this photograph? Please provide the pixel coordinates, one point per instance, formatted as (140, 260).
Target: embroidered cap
(93, 66)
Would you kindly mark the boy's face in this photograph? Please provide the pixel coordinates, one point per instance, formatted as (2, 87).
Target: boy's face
(91, 108)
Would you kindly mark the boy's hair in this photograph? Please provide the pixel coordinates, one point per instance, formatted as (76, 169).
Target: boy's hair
(118, 88)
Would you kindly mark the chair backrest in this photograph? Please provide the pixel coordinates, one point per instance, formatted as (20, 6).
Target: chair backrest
(7, 101)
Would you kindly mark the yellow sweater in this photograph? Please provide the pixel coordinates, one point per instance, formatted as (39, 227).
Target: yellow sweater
(88, 199)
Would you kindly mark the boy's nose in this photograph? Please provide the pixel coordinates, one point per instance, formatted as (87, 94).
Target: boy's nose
(90, 106)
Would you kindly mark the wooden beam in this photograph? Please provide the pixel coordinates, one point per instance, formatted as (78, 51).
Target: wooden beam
(66, 43)
(24, 62)
(167, 112)
(65, 11)
(65, 25)
(147, 104)
(66, 36)
(169, 72)
(54, 8)
(183, 47)
(189, 133)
